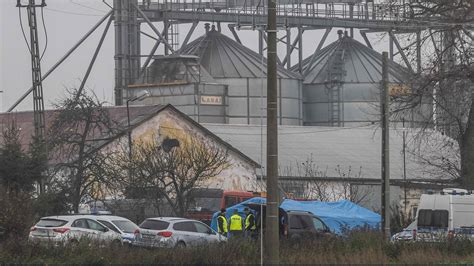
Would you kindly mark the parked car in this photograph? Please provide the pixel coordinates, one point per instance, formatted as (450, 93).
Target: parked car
(123, 226)
(174, 232)
(408, 234)
(72, 228)
(301, 224)
(294, 224)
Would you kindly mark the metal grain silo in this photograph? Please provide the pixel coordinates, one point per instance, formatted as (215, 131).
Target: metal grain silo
(341, 84)
(244, 71)
(181, 81)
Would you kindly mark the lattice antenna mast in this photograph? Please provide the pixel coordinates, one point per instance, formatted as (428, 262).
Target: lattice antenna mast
(38, 103)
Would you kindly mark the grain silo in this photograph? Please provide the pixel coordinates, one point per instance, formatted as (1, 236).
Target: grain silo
(244, 72)
(342, 82)
(181, 81)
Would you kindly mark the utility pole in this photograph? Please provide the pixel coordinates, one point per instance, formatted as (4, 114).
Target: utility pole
(404, 167)
(38, 103)
(384, 105)
(272, 244)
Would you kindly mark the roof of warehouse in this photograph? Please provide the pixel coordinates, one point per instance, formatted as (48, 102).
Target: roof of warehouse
(226, 58)
(361, 64)
(138, 115)
(334, 147)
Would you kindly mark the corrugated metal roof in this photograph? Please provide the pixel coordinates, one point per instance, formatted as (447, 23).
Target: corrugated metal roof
(360, 64)
(138, 115)
(357, 148)
(24, 120)
(226, 58)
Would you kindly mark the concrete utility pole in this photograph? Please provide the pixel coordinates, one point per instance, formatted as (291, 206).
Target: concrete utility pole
(272, 244)
(384, 105)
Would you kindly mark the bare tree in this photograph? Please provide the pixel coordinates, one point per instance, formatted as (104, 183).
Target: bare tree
(77, 129)
(318, 186)
(169, 170)
(446, 78)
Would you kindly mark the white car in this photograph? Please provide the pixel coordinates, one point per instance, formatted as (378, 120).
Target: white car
(174, 232)
(408, 234)
(72, 228)
(123, 226)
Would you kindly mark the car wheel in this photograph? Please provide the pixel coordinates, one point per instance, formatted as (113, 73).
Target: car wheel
(180, 244)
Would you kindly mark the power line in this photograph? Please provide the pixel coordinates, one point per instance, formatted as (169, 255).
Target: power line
(45, 34)
(72, 13)
(88, 7)
(23, 30)
(284, 133)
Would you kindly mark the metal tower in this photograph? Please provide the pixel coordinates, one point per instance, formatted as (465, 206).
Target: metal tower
(38, 103)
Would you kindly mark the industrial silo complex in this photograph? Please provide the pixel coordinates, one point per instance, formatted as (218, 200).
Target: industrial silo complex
(215, 79)
(244, 72)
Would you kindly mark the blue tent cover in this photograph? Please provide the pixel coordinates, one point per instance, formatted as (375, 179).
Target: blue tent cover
(339, 216)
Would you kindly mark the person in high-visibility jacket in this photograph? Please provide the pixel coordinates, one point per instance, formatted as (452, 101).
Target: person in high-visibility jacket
(250, 226)
(222, 223)
(236, 225)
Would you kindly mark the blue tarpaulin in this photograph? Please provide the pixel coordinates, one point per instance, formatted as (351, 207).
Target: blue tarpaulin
(337, 215)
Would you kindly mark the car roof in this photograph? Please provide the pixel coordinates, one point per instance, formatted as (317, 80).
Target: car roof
(171, 219)
(301, 213)
(89, 216)
(107, 217)
(60, 217)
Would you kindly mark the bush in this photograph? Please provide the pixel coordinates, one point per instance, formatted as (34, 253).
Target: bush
(16, 215)
(359, 248)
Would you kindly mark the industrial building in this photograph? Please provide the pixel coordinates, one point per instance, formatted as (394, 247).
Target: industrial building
(345, 162)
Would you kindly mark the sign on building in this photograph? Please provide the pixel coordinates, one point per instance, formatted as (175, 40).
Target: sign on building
(211, 100)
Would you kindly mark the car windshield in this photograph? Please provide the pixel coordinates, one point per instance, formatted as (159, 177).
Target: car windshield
(318, 224)
(125, 226)
(51, 223)
(411, 226)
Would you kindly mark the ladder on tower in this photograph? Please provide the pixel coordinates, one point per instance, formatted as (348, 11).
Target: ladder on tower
(336, 74)
(173, 35)
(38, 102)
(172, 32)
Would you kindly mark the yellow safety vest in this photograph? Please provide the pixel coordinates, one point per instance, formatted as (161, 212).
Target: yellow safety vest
(247, 222)
(224, 224)
(235, 223)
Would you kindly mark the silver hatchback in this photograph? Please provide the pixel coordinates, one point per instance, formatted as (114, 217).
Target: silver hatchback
(174, 232)
(72, 228)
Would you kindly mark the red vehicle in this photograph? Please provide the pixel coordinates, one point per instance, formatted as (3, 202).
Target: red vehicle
(206, 201)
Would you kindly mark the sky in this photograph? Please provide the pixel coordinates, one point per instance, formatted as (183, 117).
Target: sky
(66, 21)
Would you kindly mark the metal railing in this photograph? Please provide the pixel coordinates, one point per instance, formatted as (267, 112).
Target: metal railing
(290, 8)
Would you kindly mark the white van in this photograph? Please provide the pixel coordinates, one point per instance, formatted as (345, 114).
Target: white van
(448, 214)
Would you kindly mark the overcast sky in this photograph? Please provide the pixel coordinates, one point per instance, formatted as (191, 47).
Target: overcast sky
(66, 22)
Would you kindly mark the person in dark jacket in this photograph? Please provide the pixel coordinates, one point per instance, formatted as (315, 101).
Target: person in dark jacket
(222, 223)
(250, 224)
